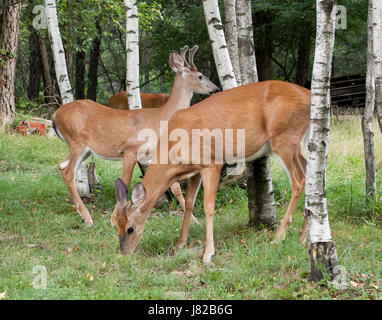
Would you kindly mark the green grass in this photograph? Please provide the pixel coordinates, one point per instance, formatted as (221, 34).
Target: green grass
(39, 227)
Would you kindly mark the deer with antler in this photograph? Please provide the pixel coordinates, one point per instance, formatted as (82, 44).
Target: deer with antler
(269, 116)
(90, 128)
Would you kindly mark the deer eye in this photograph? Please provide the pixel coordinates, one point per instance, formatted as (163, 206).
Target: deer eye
(130, 230)
(200, 77)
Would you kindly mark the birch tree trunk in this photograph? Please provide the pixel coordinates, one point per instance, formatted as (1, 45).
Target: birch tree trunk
(322, 249)
(246, 46)
(219, 45)
(58, 52)
(231, 34)
(81, 176)
(367, 119)
(132, 55)
(261, 204)
(377, 45)
(9, 40)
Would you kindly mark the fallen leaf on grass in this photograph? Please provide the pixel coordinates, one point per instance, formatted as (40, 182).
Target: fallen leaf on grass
(2, 294)
(32, 245)
(89, 277)
(354, 284)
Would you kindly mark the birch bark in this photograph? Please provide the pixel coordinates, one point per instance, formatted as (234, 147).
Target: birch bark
(322, 249)
(367, 119)
(81, 176)
(219, 45)
(132, 55)
(377, 45)
(58, 52)
(261, 204)
(231, 34)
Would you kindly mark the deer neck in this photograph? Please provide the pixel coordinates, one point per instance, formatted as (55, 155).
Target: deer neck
(156, 181)
(180, 97)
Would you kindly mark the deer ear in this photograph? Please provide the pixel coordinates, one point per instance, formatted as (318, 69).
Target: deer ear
(121, 191)
(138, 195)
(177, 62)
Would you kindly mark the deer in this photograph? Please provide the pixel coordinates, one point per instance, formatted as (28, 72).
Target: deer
(149, 100)
(275, 117)
(91, 128)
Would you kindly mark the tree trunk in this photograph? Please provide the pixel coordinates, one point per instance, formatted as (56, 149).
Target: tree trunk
(81, 177)
(367, 119)
(377, 44)
(264, 45)
(93, 64)
(69, 41)
(163, 82)
(132, 55)
(147, 59)
(58, 52)
(231, 34)
(261, 205)
(35, 68)
(80, 72)
(322, 249)
(246, 46)
(46, 76)
(303, 60)
(219, 45)
(9, 40)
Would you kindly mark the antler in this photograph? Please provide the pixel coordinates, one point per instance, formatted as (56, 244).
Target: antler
(183, 52)
(191, 57)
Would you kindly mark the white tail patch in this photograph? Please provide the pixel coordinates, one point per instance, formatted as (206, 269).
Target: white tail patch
(64, 164)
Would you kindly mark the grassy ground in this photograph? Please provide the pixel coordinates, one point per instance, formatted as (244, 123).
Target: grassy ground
(39, 227)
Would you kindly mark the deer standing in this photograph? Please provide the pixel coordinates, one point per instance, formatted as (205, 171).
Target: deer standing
(90, 128)
(275, 116)
(149, 100)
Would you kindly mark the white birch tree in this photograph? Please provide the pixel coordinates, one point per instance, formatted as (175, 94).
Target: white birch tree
(58, 52)
(231, 35)
(219, 44)
(368, 115)
(81, 176)
(322, 249)
(132, 55)
(377, 45)
(248, 68)
(261, 204)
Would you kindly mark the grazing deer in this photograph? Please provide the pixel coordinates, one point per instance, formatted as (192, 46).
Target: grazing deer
(275, 117)
(90, 128)
(149, 100)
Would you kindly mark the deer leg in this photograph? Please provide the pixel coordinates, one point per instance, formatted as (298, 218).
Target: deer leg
(128, 168)
(304, 229)
(290, 159)
(68, 168)
(177, 191)
(192, 191)
(210, 178)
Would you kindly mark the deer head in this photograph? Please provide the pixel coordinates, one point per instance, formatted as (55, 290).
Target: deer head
(194, 80)
(127, 217)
